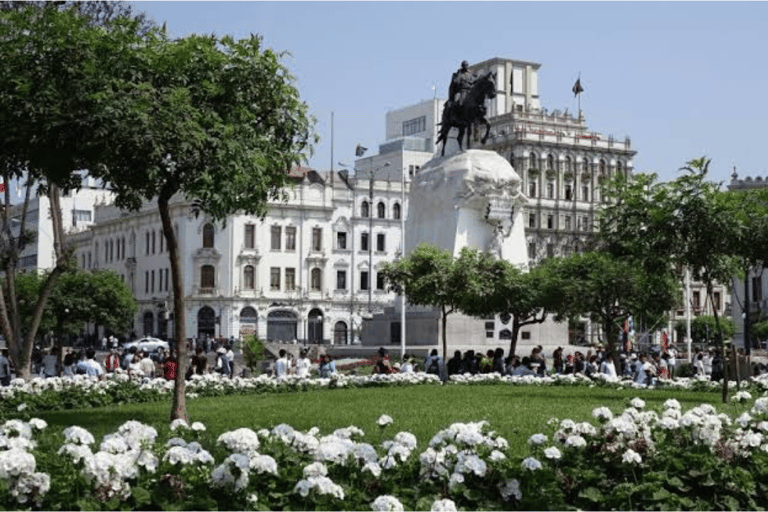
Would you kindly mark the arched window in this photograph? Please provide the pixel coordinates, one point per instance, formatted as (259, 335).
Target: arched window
(248, 277)
(585, 165)
(602, 167)
(619, 167)
(315, 326)
(568, 167)
(249, 319)
(532, 161)
(396, 211)
(207, 276)
(316, 280)
(208, 236)
(550, 162)
(381, 210)
(364, 209)
(281, 326)
(340, 333)
(149, 323)
(206, 322)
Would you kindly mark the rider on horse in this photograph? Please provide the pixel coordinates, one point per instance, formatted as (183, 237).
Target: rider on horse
(461, 82)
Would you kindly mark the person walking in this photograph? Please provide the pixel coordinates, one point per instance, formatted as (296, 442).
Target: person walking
(5, 368)
(281, 365)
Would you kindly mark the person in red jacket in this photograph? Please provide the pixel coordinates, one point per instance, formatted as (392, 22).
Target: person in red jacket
(112, 362)
(170, 366)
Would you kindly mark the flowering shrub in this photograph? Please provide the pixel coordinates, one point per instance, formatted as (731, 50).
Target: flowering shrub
(638, 458)
(81, 391)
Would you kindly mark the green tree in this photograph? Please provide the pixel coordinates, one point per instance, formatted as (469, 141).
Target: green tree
(55, 63)
(684, 223)
(501, 288)
(431, 277)
(607, 290)
(705, 330)
(749, 245)
(217, 121)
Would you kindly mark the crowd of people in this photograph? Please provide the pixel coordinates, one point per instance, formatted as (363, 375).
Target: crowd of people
(643, 368)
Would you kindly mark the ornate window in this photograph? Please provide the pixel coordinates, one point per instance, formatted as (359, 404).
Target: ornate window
(602, 168)
(396, 211)
(248, 277)
(585, 165)
(250, 237)
(207, 236)
(364, 209)
(550, 162)
(381, 210)
(207, 276)
(568, 164)
(532, 161)
(316, 280)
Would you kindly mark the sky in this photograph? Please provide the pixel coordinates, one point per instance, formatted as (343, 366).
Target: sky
(681, 79)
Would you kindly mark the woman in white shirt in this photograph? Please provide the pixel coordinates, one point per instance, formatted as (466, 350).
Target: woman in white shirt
(302, 365)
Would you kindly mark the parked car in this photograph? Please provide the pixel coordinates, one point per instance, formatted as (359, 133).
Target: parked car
(148, 344)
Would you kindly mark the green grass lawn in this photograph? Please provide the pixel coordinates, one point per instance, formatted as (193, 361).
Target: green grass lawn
(515, 412)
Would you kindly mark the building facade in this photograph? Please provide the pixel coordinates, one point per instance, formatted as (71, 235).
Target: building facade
(307, 272)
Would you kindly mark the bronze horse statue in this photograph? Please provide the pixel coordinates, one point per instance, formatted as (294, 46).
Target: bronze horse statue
(472, 110)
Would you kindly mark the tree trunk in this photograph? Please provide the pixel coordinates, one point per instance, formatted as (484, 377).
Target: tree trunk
(515, 333)
(445, 337)
(178, 407)
(25, 344)
(710, 293)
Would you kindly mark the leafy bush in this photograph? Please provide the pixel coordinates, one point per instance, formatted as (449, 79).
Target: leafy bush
(253, 351)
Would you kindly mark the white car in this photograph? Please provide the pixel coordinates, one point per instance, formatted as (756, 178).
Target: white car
(148, 344)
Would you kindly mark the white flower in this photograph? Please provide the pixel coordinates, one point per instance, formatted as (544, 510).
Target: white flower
(22, 407)
(37, 424)
(531, 464)
(456, 481)
(445, 505)
(576, 441)
(471, 464)
(232, 473)
(496, 456)
(637, 403)
(179, 455)
(373, 468)
(741, 396)
(386, 503)
(242, 440)
(321, 484)
(537, 439)
(552, 453)
(199, 427)
(315, 469)
(384, 420)
(631, 457)
(76, 451)
(179, 423)
(671, 403)
(602, 413)
(510, 488)
(15, 462)
(78, 435)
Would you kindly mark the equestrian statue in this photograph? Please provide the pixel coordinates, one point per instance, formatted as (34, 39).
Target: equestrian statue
(466, 104)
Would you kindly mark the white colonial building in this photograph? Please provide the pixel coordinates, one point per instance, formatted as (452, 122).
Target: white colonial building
(308, 271)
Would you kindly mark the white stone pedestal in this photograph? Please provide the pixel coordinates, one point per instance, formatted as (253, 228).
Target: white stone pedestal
(468, 199)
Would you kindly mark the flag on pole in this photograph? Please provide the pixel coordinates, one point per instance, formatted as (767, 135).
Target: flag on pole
(577, 88)
(360, 150)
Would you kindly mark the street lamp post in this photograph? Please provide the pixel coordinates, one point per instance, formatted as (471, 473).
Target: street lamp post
(370, 173)
(402, 255)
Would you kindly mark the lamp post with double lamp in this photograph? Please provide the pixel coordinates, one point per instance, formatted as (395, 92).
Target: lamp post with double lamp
(370, 174)
(403, 211)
